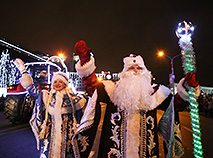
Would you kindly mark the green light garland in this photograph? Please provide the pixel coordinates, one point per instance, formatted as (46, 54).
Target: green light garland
(184, 32)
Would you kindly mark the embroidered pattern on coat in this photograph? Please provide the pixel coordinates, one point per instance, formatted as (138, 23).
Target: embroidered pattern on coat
(151, 145)
(64, 135)
(70, 135)
(115, 117)
(114, 152)
(143, 134)
(83, 141)
(178, 147)
(123, 131)
(115, 128)
(44, 148)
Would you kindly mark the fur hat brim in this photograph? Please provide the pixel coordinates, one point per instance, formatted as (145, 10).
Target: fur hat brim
(62, 76)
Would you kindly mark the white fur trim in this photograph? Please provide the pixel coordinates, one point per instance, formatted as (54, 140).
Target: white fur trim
(45, 97)
(57, 119)
(26, 80)
(131, 60)
(58, 123)
(133, 136)
(159, 96)
(182, 91)
(109, 85)
(86, 69)
(89, 113)
(60, 75)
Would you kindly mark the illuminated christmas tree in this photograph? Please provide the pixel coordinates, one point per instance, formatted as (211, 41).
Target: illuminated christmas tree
(7, 72)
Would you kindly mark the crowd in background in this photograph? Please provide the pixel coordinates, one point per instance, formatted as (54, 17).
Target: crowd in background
(206, 104)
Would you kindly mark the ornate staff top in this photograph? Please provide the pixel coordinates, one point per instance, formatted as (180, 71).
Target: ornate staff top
(184, 32)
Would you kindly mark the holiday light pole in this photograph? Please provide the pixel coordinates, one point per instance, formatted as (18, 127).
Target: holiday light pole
(172, 75)
(184, 33)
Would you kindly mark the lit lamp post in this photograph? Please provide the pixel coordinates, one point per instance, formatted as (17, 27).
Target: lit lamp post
(172, 75)
(61, 56)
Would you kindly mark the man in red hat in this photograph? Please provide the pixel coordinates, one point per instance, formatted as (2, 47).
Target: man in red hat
(120, 119)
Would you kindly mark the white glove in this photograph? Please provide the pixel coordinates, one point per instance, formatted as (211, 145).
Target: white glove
(20, 65)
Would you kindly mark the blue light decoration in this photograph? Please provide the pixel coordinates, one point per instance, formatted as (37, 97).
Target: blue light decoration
(184, 33)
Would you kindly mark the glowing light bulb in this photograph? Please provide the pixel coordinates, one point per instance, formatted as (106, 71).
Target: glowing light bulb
(161, 53)
(185, 29)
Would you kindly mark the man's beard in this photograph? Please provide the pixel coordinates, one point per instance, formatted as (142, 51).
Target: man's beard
(133, 91)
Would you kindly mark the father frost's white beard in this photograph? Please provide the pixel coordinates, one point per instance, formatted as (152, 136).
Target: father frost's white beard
(132, 92)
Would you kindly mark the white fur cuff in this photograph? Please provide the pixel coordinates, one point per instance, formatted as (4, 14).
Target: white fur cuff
(159, 96)
(182, 91)
(86, 69)
(26, 80)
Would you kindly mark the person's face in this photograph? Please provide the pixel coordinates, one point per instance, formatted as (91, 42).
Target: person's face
(58, 85)
(135, 68)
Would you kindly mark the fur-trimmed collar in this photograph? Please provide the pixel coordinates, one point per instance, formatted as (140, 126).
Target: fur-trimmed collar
(88, 118)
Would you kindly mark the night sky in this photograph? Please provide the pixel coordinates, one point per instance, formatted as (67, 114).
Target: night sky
(113, 29)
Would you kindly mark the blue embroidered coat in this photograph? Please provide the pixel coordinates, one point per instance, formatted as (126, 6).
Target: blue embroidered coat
(60, 124)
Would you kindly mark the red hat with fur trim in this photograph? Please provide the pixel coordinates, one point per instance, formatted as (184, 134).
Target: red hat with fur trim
(133, 60)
